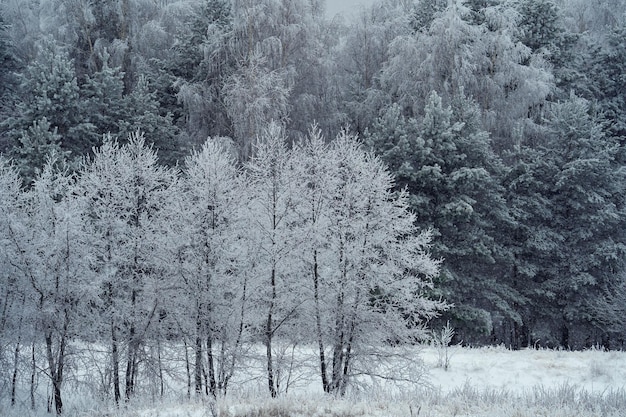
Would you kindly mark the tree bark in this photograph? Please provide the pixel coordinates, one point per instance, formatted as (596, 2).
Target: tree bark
(57, 364)
(268, 339)
(15, 363)
(130, 365)
(198, 356)
(211, 365)
(115, 359)
(318, 324)
(33, 375)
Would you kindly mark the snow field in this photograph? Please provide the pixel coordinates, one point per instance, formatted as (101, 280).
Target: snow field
(519, 371)
(485, 382)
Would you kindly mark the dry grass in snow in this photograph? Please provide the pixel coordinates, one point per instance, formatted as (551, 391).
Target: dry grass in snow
(486, 382)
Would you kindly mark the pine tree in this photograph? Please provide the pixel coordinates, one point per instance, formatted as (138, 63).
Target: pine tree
(425, 11)
(8, 82)
(569, 204)
(542, 29)
(105, 106)
(36, 145)
(49, 89)
(142, 113)
(452, 176)
(610, 86)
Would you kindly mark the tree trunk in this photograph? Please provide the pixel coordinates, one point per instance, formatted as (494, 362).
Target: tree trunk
(338, 345)
(564, 335)
(347, 359)
(115, 364)
(15, 363)
(55, 377)
(188, 367)
(161, 381)
(318, 324)
(268, 339)
(211, 365)
(33, 375)
(57, 364)
(233, 357)
(198, 355)
(132, 347)
(130, 365)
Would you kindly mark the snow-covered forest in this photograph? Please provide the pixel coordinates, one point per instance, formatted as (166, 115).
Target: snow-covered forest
(208, 177)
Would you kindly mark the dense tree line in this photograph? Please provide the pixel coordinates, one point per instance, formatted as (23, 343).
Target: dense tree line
(302, 246)
(502, 122)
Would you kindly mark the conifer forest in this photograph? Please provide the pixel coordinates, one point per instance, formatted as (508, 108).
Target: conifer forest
(225, 176)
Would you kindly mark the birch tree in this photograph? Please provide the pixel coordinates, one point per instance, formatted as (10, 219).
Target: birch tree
(273, 235)
(15, 331)
(55, 260)
(124, 193)
(380, 268)
(209, 259)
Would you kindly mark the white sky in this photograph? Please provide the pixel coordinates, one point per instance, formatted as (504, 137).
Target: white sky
(345, 6)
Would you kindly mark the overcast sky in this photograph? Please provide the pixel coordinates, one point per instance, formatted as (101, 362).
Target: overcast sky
(345, 6)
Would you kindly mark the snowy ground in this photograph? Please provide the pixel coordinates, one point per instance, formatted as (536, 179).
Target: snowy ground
(519, 371)
(486, 382)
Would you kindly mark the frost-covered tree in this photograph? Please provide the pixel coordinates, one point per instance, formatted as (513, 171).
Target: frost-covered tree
(209, 263)
(201, 59)
(425, 12)
(142, 113)
(315, 170)
(607, 82)
(8, 81)
(15, 331)
(610, 311)
(255, 97)
(376, 270)
(594, 18)
(542, 28)
(484, 61)
(36, 145)
(124, 193)
(273, 235)
(54, 258)
(103, 94)
(362, 56)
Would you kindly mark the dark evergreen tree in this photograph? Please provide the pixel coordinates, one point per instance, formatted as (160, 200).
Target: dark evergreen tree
(610, 82)
(569, 203)
(49, 90)
(103, 94)
(477, 8)
(200, 62)
(425, 11)
(452, 176)
(542, 29)
(36, 145)
(141, 112)
(8, 81)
